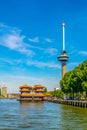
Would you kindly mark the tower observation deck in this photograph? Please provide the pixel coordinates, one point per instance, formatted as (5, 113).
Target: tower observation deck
(63, 58)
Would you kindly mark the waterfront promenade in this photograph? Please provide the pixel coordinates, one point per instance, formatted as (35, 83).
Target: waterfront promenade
(77, 103)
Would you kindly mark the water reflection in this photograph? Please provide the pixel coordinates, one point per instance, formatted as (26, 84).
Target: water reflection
(30, 114)
(41, 116)
(27, 109)
(73, 118)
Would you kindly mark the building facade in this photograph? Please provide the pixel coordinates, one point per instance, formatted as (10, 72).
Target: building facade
(29, 93)
(4, 92)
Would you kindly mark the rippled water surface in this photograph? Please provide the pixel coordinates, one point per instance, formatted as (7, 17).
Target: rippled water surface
(41, 116)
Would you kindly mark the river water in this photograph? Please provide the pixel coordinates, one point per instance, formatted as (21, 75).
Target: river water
(41, 116)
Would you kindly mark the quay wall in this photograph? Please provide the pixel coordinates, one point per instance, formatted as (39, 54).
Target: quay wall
(71, 102)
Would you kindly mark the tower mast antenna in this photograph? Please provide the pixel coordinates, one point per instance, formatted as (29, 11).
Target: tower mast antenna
(63, 26)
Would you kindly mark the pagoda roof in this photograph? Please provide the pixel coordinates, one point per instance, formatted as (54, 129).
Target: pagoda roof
(25, 90)
(25, 86)
(31, 95)
(39, 90)
(38, 86)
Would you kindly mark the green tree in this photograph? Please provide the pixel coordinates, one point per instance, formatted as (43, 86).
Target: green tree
(64, 83)
(84, 86)
(45, 89)
(57, 93)
(75, 81)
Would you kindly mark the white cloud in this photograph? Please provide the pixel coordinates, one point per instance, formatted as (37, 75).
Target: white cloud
(38, 64)
(14, 40)
(44, 64)
(35, 39)
(10, 61)
(48, 40)
(72, 65)
(51, 51)
(84, 53)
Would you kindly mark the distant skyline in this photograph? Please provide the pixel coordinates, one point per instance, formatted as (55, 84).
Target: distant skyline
(31, 40)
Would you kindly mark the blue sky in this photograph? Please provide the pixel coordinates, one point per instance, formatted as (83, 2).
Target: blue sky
(31, 40)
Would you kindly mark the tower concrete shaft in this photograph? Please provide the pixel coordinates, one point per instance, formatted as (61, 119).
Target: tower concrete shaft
(63, 68)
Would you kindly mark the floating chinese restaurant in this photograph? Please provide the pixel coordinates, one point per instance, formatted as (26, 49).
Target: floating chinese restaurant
(29, 93)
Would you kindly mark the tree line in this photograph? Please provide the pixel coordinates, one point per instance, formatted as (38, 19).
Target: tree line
(74, 82)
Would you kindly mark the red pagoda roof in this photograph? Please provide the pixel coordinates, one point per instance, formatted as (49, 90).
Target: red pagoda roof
(38, 86)
(30, 95)
(25, 86)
